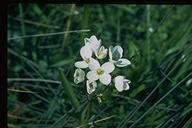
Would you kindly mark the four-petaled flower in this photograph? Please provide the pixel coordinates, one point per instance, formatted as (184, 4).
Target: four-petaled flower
(97, 71)
(115, 56)
(100, 72)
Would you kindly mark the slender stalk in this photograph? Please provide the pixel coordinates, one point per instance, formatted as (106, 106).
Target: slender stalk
(23, 29)
(69, 90)
(148, 32)
(34, 23)
(68, 26)
(24, 91)
(47, 34)
(61, 118)
(33, 80)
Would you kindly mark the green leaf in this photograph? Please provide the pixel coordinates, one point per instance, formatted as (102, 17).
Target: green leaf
(84, 114)
(137, 90)
(69, 90)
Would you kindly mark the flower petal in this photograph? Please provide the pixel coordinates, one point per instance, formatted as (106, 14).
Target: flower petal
(94, 64)
(81, 64)
(93, 42)
(105, 79)
(108, 67)
(93, 38)
(78, 80)
(126, 84)
(92, 76)
(120, 50)
(86, 52)
(110, 52)
(115, 53)
(91, 85)
(119, 83)
(122, 62)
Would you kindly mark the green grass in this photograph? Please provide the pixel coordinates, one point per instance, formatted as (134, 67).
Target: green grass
(44, 43)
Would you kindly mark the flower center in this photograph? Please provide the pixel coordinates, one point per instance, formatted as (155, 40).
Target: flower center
(99, 71)
(87, 60)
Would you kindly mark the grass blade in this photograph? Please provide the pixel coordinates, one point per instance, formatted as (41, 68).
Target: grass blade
(47, 34)
(162, 98)
(69, 90)
(131, 114)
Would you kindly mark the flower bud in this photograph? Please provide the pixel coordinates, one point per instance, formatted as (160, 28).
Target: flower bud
(101, 53)
(91, 85)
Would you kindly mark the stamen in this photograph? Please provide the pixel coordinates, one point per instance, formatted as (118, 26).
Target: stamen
(87, 60)
(99, 71)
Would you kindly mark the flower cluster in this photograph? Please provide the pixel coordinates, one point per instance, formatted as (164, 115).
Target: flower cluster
(97, 71)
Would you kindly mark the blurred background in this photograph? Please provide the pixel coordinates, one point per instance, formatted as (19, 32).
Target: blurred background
(44, 42)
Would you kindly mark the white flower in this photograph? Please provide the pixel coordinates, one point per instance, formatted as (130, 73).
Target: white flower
(100, 72)
(93, 42)
(115, 56)
(121, 83)
(91, 85)
(101, 53)
(79, 76)
(86, 54)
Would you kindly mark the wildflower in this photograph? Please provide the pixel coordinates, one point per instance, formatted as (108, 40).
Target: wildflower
(115, 56)
(91, 86)
(100, 72)
(93, 42)
(121, 83)
(86, 55)
(101, 53)
(79, 76)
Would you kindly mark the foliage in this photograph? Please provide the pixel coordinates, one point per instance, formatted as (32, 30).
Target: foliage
(155, 38)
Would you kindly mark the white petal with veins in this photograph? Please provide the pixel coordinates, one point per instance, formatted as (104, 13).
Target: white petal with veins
(86, 52)
(93, 42)
(120, 50)
(105, 79)
(108, 67)
(119, 83)
(92, 76)
(122, 62)
(81, 64)
(94, 64)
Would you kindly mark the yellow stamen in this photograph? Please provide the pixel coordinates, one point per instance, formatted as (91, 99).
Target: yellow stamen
(99, 71)
(87, 60)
